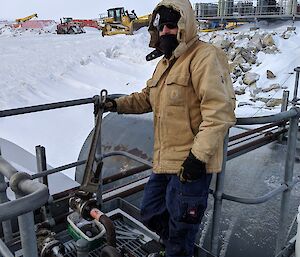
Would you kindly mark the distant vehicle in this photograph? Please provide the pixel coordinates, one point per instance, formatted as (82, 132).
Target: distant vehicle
(209, 26)
(120, 21)
(27, 18)
(68, 26)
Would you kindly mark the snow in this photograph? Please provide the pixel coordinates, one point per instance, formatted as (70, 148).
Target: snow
(39, 67)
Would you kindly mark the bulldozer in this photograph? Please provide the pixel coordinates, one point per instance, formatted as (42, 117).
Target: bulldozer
(68, 26)
(120, 21)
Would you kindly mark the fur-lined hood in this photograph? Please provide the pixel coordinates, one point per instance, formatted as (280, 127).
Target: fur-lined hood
(187, 27)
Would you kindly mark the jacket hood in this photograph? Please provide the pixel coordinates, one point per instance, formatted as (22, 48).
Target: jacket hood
(187, 27)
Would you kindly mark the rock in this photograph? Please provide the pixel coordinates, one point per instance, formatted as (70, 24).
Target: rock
(258, 63)
(254, 90)
(268, 101)
(268, 41)
(217, 40)
(241, 36)
(244, 103)
(239, 90)
(237, 71)
(272, 87)
(248, 56)
(245, 67)
(274, 102)
(270, 75)
(239, 59)
(286, 34)
(231, 54)
(250, 78)
(255, 42)
(270, 50)
(226, 44)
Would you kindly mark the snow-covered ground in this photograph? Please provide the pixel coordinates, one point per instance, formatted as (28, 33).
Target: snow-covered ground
(38, 67)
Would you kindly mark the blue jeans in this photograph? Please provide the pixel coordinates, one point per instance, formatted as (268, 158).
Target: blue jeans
(174, 210)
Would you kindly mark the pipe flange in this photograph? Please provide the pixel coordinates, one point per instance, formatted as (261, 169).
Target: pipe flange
(16, 179)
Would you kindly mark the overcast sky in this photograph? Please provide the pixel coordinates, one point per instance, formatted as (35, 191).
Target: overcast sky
(55, 9)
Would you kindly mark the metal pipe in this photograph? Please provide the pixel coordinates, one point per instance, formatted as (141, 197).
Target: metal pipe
(235, 152)
(35, 194)
(27, 235)
(125, 174)
(294, 112)
(288, 180)
(254, 131)
(256, 200)
(58, 169)
(46, 107)
(218, 203)
(6, 225)
(131, 156)
(4, 251)
(6, 169)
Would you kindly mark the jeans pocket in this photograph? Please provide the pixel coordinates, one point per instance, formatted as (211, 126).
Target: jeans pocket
(191, 209)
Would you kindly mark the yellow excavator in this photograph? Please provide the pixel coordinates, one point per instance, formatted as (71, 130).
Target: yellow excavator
(27, 18)
(120, 21)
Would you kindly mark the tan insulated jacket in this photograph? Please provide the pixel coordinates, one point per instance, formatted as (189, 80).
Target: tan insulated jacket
(191, 96)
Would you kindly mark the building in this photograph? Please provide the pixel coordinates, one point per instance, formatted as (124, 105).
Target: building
(205, 10)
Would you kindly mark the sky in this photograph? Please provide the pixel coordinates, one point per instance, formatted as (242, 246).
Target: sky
(55, 9)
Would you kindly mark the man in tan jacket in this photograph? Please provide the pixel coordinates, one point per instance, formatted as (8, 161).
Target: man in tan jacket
(192, 100)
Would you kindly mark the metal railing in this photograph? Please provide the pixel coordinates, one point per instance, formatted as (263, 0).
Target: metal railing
(37, 193)
(236, 9)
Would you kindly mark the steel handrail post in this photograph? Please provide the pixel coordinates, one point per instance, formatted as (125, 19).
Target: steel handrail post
(288, 180)
(295, 96)
(219, 189)
(284, 106)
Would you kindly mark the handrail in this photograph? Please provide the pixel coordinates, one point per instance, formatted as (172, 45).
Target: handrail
(282, 116)
(46, 107)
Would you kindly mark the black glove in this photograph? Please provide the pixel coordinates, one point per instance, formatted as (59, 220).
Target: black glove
(110, 105)
(192, 169)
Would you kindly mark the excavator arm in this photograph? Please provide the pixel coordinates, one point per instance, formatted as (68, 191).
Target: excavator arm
(27, 18)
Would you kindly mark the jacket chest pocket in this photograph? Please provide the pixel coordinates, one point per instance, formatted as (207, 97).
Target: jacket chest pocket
(176, 90)
(152, 85)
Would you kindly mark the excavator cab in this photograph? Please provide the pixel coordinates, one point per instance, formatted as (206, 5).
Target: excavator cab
(116, 13)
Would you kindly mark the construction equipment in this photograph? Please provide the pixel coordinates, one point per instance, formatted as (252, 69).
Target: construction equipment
(68, 26)
(27, 18)
(120, 21)
(210, 26)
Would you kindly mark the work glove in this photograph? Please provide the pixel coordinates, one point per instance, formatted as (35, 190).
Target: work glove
(110, 105)
(192, 169)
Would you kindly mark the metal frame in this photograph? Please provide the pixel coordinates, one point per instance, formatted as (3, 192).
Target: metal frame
(31, 195)
(234, 10)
